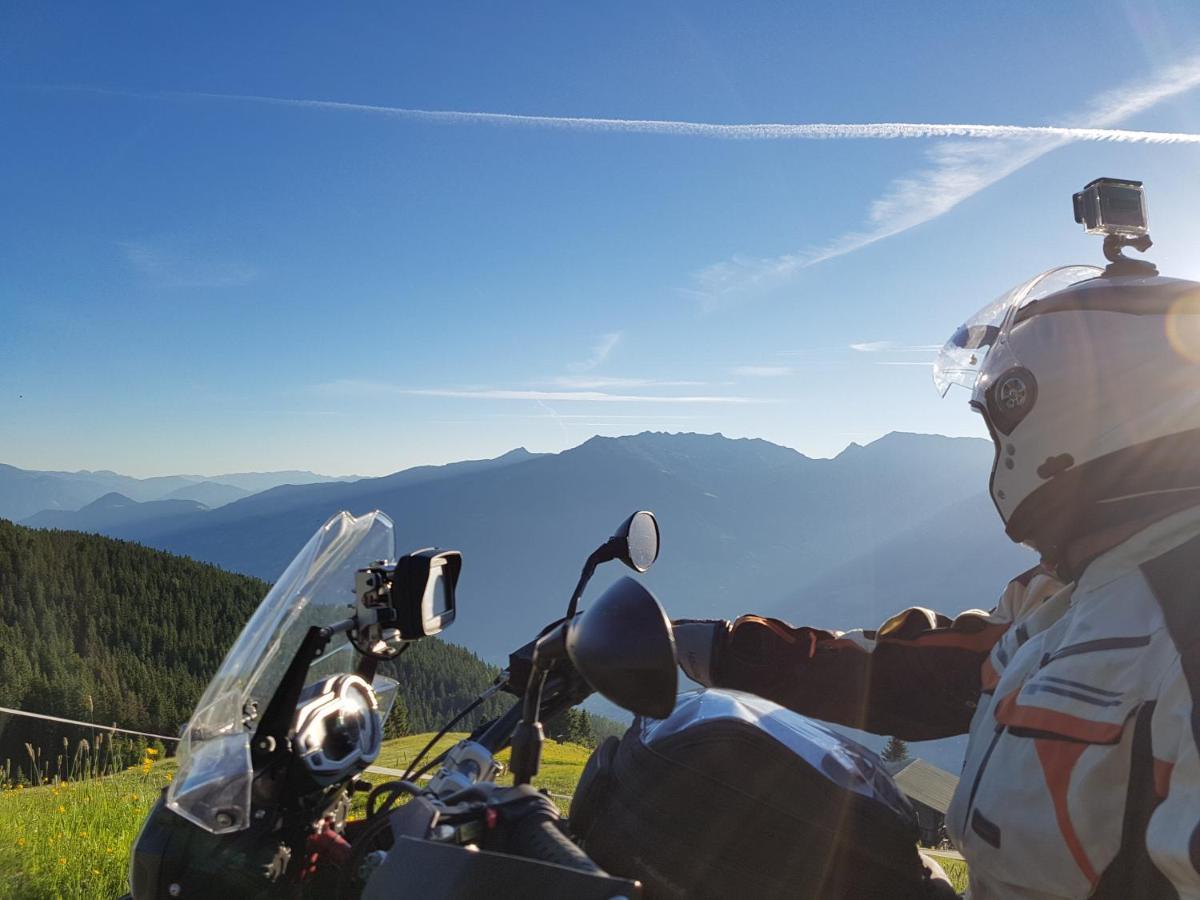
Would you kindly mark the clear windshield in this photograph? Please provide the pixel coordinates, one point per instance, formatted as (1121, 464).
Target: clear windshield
(212, 787)
(961, 359)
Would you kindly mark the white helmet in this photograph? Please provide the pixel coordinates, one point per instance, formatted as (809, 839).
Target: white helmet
(1090, 386)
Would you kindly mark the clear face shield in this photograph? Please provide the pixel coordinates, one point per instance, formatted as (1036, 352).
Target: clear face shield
(961, 360)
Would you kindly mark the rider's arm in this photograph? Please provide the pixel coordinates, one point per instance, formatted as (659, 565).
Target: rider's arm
(918, 676)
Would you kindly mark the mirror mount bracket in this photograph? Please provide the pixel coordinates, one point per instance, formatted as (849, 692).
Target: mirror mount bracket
(529, 737)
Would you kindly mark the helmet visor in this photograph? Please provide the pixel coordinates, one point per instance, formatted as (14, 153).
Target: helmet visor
(961, 358)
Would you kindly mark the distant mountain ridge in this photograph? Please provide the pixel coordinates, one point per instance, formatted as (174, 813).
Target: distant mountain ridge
(747, 526)
(26, 492)
(114, 511)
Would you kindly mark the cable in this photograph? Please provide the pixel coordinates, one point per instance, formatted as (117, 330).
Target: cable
(433, 763)
(97, 727)
(393, 789)
(471, 707)
(408, 773)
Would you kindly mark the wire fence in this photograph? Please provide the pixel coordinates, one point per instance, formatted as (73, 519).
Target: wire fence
(378, 770)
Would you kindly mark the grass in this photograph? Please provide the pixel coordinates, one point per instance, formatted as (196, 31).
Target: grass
(71, 838)
(956, 870)
(561, 763)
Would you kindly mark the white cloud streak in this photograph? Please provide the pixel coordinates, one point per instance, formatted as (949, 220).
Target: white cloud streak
(573, 396)
(770, 131)
(604, 346)
(164, 268)
(892, 347)
(562, 425)
(352, 387)
(599, 382)
(762, 371)
(959, 170)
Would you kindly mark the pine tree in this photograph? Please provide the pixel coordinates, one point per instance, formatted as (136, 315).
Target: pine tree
(896, 751)
(397, 720)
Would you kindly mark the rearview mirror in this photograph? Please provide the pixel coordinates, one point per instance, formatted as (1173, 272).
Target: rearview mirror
(623, 647)
(639, 534)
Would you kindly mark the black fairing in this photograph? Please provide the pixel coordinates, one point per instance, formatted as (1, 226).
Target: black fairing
(419, 868)
(170, 850)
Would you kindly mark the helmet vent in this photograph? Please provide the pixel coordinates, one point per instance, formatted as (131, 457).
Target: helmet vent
(1011, 398)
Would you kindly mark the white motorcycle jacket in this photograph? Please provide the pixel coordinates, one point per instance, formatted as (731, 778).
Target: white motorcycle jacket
(1082, 777)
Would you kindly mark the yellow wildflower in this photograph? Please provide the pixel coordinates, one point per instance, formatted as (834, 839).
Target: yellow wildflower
(62, 860)
(151, 751)
(83, 834)
(61, 808)
(20, 842)
(170, 775)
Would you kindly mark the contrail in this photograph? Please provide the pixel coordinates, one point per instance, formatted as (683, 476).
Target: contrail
(815, 131)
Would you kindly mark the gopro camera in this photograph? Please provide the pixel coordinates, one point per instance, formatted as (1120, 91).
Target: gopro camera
(1112, 206)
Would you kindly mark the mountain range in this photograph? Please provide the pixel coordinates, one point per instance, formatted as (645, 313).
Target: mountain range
(747, 526)
(26, 492)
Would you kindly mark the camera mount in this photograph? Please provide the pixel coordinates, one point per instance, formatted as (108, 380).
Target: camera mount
(1116, 208)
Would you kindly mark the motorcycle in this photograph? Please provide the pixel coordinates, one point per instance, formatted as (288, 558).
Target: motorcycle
(273, 757)
(274, 754)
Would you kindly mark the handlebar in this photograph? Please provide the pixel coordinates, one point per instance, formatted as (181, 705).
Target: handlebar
(537, 836)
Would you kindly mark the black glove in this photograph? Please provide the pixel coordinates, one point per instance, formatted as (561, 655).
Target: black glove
(698, 646)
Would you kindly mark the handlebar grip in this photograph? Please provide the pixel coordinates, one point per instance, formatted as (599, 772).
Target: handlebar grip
(538, 837)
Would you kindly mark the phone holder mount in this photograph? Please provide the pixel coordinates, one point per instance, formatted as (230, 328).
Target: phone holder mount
(410, 599)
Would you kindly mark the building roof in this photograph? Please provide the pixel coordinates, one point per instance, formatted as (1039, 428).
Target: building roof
(927, 784)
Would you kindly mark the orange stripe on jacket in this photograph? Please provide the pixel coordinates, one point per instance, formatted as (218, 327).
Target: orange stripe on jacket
(1058, 759)
(1009, 712)
(1162, 776)
(988, 676)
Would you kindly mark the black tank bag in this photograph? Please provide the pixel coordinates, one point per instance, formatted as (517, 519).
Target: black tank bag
(735, 796)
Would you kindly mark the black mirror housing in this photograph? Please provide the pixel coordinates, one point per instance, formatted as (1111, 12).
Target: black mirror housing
(639, 537)
(624, 648)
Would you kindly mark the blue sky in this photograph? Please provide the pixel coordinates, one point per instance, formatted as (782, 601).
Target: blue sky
(196, 281)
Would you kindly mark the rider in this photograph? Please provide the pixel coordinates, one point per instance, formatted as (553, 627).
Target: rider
(1081, 776)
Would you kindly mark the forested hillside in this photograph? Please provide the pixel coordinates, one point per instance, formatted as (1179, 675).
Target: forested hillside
(109, 631)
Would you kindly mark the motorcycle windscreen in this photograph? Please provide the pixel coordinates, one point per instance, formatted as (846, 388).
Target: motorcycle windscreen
(961, 358)
(843, 761)
(212, 786)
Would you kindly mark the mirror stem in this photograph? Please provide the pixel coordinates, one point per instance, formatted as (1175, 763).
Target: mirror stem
(605, 552)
